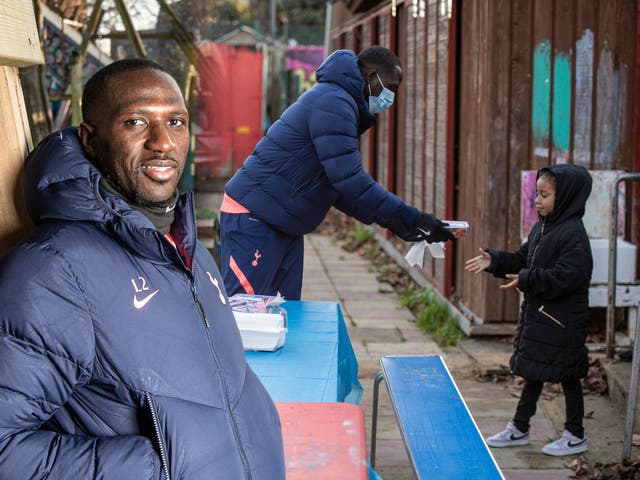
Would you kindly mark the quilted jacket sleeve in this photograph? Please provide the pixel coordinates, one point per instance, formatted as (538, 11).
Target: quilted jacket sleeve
(333, 128)
(570, 271)
(503, 262)
(46, 350)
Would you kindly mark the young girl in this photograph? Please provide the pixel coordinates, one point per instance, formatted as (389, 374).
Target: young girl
(553, 271)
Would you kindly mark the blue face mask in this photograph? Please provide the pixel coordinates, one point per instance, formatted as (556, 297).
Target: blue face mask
(381, 102)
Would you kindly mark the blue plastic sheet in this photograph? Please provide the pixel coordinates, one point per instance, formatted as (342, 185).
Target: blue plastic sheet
(316, 363)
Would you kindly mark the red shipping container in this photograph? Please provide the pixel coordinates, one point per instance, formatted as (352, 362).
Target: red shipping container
(230, 108)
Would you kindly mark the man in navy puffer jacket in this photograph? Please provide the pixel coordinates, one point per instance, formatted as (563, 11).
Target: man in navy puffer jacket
(309, 161)
(119, 354)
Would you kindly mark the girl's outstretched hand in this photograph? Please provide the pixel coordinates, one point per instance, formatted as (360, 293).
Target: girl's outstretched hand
(513, 283)
(479, 263)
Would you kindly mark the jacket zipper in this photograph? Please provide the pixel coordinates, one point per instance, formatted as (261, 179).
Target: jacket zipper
(234, 427)
(535, 250)
(156, 429)
(541, 310)
(197, 300)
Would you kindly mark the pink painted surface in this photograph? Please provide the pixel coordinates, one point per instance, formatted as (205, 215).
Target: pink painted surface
(598, 209)
(323, 440)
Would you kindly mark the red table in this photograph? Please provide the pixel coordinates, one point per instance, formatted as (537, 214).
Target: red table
(323, 440)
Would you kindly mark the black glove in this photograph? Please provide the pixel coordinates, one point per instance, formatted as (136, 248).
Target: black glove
(405, 231)
(431, 229)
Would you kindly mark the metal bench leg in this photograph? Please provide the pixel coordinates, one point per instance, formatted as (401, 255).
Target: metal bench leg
(374, 417)
(633, 394)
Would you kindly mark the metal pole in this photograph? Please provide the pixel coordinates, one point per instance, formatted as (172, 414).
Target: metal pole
(633, 393)
(327, 27)
(613, 254)
(611, 285)
(273, 25)
(374, 417)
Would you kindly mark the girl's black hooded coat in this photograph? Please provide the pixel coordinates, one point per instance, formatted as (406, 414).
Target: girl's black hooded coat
(554, 271)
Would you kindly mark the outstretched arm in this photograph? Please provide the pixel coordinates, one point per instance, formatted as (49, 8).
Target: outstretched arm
(482, 262)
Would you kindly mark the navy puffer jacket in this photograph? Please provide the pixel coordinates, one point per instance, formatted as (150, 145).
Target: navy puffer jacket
(116, 360)
(554, 272)
(309, 160)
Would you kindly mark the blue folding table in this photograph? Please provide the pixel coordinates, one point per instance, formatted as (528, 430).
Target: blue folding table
(316, 363)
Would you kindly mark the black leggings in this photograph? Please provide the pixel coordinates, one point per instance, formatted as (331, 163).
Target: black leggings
(574, 406)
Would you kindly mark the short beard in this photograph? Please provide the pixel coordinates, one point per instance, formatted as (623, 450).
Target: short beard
(136, 199)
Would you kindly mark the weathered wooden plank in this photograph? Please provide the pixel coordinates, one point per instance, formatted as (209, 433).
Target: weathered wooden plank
(541, 102)
(409, 139)
(583, 81)
(519, 125)
(19, 40)
(423, 54)
(392, 154)
(417, 184)
(404, 126)
(15, 140)
(430, 139)
(382, 126)
(472, 179)
(607, 83)
(441, 126)
(627, 30)
(563, 41)
(498, 224)
(367, 149)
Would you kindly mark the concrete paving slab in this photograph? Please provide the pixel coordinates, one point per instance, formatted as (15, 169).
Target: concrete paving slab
(391, 453)
(369, 335)
(372, 321)
(396, 472)
(381, 310)
(404, 348)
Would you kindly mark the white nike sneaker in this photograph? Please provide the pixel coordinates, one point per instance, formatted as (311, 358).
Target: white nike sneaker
(568, 444)
(511, 437)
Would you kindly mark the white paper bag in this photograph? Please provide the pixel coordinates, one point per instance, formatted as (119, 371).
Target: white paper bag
(415, 255)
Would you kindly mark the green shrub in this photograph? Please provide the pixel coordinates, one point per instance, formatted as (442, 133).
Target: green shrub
(433, 316)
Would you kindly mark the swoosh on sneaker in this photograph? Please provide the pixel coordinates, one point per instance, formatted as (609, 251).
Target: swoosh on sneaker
(138, 304)
(570, 444)
(518, 437)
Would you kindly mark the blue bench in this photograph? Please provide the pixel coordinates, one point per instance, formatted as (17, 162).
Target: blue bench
(441, 437)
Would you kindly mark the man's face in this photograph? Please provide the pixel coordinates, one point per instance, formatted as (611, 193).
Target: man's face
(390, 79)
(140, 137)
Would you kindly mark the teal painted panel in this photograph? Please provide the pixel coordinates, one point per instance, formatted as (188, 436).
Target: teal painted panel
(541, 94)
(561, 101)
